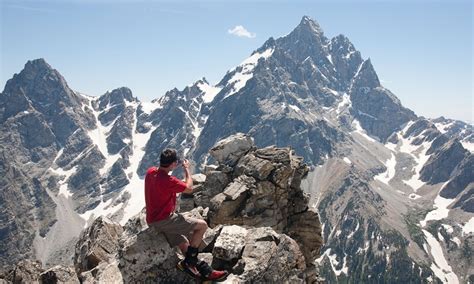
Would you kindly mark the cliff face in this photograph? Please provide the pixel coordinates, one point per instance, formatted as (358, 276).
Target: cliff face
(261, 228)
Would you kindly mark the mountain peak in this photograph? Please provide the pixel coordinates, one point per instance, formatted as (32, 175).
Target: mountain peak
(203, 80)
(367, 75)
(342, 46)
(34, 71)
(342, 40)
(121, 94)
(310, 25)
(37, 64)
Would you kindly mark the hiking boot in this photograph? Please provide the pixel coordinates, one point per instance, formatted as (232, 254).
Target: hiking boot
(207, 273)
(217, 275)
(189, 269)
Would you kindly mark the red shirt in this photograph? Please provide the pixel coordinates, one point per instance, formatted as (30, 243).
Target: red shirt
(160, 194)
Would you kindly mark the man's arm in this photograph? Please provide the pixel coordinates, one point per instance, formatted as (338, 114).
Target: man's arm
(188, 178)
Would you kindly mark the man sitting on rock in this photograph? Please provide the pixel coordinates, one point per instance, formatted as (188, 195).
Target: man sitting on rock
(187, 233)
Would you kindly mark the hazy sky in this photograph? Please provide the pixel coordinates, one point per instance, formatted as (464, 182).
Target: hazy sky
(422, 50)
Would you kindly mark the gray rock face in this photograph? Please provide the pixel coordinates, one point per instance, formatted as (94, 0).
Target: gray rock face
(346, 59)
(147, 256)
(466, 200)
(51, 129)
(28, 271)
(441, 164)
(449, 161)
(59, 274)
(265, 191)
(97, 244)
(462, 181)
(277, 103)
(230, 150)
(377, 109)
(113, 109)
(48, 93)
(230, 243)
(265, 256)
(39, 113)
(215, 183)
(144, 256)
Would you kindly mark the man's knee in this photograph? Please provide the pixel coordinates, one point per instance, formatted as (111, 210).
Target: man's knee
(201, 225)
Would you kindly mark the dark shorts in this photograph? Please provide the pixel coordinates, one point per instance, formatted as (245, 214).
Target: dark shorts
(176, 228)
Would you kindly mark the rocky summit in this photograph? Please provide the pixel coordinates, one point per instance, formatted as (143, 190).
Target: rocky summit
(261, 228)
(394, 191)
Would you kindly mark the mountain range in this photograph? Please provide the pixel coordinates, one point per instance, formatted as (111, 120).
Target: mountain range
(394, 190)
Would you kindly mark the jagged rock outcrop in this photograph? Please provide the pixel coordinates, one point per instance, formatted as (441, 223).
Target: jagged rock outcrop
(441, 164)
(143, 255)
(260, 255)
(38, 112)
(263, 191)
(377, 109)
(229, 151)
(25, 271)
(28, 271)
(97, 243)
(261, 228)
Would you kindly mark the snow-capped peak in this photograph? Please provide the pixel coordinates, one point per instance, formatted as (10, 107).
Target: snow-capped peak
(240, 78)
(209, 92)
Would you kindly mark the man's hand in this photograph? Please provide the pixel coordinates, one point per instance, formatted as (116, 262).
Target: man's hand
(186, 164)
(188, 179)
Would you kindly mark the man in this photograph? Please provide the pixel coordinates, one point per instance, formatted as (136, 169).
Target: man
(187, 233)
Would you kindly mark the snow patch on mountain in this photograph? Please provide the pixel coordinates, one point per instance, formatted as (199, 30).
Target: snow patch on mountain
(468, 228)
(443, 127)
(295, 108)
(149, 107)
(240, 78)
(344, 104)
(386, 176)
(440, 266)
(63, 185)
(102, 209)
(334, 263)
(136, 186)
(361, 131)
(467, 145)
(418, 153)
(99, 138)
(441, 209)
(209, 91)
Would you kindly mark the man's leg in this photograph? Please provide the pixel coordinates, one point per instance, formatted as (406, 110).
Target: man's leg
(196, 236)
(198, 233)
(192, 251)
(184, 247)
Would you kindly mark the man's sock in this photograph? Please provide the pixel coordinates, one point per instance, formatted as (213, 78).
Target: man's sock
(191, 256)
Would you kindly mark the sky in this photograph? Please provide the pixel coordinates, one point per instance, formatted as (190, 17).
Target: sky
(421, 50)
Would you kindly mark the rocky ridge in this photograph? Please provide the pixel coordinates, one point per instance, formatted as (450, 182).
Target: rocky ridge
(261, 227)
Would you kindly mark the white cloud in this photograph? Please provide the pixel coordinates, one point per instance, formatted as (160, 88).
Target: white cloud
(240, 31)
